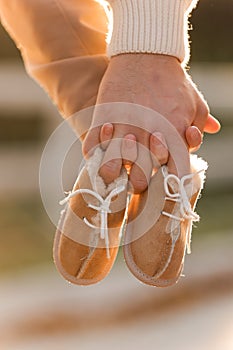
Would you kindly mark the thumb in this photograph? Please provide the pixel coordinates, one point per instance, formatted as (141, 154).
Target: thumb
(212, 125)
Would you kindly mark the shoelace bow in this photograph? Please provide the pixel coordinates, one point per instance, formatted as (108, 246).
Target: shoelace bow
(180, 196)
(103, 209)
(186, 211)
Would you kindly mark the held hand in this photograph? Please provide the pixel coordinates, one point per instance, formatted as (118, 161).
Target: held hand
(160, 83)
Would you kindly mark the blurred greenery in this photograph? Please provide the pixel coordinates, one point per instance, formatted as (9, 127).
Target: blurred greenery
(26, 234)
(212, 31)
(215, 210)
(23, 128)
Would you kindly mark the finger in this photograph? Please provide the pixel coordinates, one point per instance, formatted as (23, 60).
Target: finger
(106, 133)
(129, 150)
(112, 162)
(193, 137)
(90, 142)
(159, 150)
(141, 171)
(212, 125)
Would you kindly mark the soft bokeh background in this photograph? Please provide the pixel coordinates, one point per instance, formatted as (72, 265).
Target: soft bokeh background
(37, 307)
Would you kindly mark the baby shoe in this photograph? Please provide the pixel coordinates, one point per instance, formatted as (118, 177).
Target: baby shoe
(159, 225)
(89, 232)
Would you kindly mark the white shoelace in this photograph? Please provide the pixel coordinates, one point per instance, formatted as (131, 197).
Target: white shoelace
(103, 209)
(181, 197)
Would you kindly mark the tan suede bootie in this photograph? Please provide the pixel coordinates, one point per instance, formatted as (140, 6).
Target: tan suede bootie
(160, 223)
(89, 231)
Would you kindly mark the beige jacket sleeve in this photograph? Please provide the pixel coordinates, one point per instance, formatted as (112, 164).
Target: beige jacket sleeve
(63, 47)
(63, 41)
(151, 26)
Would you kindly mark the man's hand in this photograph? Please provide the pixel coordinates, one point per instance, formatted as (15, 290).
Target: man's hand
(160, 83)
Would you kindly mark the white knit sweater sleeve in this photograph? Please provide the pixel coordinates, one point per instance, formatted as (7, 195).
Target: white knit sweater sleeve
(150, 26)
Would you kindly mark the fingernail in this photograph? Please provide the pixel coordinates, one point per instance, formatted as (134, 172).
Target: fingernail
(108, 129)
(130, 141)
(195, 134)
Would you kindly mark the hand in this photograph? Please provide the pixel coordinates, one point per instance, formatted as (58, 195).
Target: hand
(160, 83)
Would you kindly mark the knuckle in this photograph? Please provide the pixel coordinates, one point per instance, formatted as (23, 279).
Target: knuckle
(203, 110)
(108, 173)
(111, 167)
(202, 106)
(139, 184)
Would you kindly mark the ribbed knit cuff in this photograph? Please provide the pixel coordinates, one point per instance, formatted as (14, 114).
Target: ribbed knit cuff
(150, 26)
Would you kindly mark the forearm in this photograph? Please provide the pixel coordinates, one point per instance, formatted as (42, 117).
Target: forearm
(62, 45)
(150, 26)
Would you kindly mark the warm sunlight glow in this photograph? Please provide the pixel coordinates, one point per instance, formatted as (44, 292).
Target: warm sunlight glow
(108, 11)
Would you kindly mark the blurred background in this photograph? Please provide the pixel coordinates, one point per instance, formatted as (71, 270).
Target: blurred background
(37, 307)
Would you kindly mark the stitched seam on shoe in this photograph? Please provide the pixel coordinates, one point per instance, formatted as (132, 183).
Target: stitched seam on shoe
(84, 266)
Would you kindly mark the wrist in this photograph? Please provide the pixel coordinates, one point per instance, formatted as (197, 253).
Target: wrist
(146, 61)
(149, 69)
